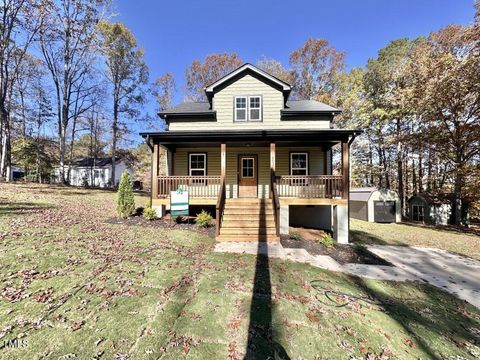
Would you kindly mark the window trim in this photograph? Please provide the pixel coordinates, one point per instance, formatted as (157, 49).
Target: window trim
(308, 161)
(204, 154)
(247, 108)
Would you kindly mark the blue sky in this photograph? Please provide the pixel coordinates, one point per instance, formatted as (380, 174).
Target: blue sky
(175, 32)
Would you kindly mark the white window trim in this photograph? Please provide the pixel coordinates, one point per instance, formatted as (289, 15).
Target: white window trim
(197, 169)
(291, 162)
(247, 108)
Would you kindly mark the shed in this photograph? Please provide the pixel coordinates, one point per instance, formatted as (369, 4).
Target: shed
(375, 205)
(429, 209)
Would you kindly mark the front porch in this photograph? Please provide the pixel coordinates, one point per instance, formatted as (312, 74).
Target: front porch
(286, 173)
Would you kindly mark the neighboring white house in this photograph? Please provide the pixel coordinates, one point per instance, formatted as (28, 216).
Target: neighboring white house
(93, 172)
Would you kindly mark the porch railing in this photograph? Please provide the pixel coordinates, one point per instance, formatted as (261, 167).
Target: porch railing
(310, 186)
(197, 186)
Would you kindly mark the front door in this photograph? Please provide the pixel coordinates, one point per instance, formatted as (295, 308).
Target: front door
(247, 176)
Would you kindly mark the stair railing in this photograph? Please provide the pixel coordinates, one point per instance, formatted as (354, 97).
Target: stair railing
(220, 205)
(275, 200)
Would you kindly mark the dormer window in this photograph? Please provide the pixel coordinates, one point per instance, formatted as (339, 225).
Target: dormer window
(248, 108)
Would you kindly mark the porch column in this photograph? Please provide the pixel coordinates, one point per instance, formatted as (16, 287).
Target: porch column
(155, 171)
(345, 169)
(223, 160)
(272, 157)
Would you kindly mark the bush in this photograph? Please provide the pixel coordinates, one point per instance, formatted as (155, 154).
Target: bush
(326, 240)
(294, 235)
(125, 198)
(149, 213)
(204, 219)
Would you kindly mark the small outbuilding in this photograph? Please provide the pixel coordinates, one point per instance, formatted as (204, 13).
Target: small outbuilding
(429, 209)
(375, 205)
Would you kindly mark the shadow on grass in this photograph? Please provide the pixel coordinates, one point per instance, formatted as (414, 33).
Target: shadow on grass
(365, 238)
(443, 322)
(261, 343)
(19, 208)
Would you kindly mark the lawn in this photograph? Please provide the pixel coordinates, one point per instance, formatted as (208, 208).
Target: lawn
(74, 286)
(458, 241)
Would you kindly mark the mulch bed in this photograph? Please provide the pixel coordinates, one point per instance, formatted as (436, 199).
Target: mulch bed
(343, 254)
(165, 223)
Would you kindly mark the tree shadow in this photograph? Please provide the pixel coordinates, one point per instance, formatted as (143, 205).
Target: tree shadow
(21, 208)
(444, 322)
(365, 238)
(261, 343)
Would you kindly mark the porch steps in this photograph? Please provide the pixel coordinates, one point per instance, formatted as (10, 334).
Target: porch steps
(249, 220)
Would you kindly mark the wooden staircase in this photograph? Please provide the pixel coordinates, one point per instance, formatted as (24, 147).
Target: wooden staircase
(248, 219)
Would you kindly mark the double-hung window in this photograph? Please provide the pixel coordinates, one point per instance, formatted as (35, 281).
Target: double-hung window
(197, 166)
(299, 166)
(248, 108)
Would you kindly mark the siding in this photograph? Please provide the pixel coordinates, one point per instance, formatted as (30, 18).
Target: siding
(180, 167)
(272, 103)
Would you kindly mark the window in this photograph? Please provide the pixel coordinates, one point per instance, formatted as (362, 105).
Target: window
(418, 213)
(248, 167)
(298, 163)
(197, 164)
(248, 108)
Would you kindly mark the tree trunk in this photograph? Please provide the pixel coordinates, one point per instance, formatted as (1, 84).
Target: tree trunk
(114, 139)
(6, 161)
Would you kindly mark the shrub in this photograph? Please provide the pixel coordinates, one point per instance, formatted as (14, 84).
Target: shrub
(204, 219)
(294, 235)
(125, 198)
(326, 240)
(149, 213)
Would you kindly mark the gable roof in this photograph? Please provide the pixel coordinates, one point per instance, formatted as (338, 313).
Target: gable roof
(97, 162)
(308, 106)
(244, 68)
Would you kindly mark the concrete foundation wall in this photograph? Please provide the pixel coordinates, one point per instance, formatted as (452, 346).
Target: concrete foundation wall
(315, 216)
(340, 224)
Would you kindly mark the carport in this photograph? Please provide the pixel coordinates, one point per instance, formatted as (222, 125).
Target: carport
(375, 205)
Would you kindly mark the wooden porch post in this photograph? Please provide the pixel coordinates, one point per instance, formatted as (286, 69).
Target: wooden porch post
(155, 154)
(272, 157)
(223, 160)
(345, 169)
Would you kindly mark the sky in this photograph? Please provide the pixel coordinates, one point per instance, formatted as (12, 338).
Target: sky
(174, 32)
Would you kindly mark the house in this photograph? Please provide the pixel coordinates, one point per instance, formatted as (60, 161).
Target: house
(430, 209)
(94, 172)
(258, 158)
(375, 205)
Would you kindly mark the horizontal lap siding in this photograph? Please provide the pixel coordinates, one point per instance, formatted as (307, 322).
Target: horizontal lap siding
(272, 103)
(316, 157)
(180, 160)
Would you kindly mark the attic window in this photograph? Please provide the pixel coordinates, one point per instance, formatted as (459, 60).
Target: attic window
(248, 108)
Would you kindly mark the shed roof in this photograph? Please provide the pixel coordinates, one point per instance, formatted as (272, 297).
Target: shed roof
(361, 194)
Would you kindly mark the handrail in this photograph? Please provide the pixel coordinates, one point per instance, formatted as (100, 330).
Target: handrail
(310, 186)
(276, 201)
(220, 205)
(198, 186)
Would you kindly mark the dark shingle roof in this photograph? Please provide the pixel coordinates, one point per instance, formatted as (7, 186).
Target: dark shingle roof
(97, 162)
(308, 106)
(291, 106)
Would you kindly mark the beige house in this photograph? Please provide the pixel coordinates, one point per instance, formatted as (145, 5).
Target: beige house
(263, 161)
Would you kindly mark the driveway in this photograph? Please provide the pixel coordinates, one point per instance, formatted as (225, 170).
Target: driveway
(454, 273)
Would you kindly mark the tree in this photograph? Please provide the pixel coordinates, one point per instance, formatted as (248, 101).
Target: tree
(20, 21)
(163, 90)
(125, 197)
(447, 92)
(199, 75)
(316, 66)
(126, 71)
(68, 41)
(275, 68)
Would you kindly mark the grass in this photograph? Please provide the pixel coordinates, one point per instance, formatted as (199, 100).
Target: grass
(72, 285)
(407, 234)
